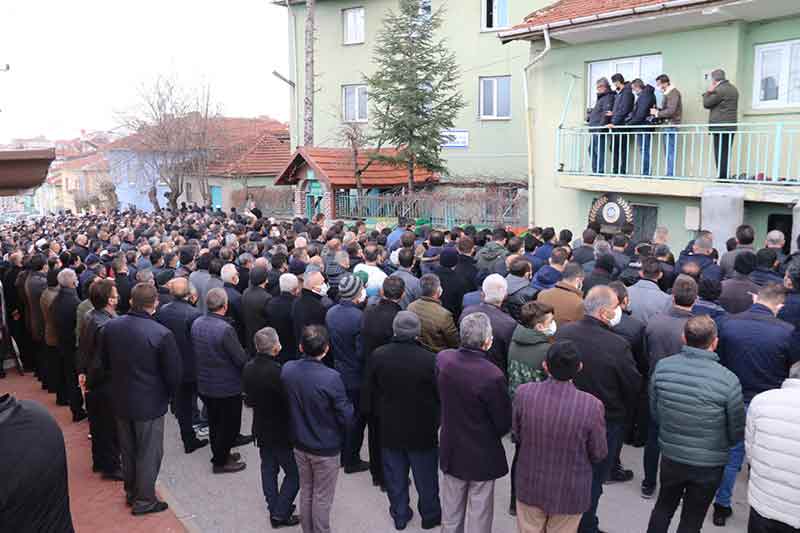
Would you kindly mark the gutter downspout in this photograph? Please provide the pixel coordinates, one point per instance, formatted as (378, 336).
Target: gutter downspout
(529, 119)
(293, 68)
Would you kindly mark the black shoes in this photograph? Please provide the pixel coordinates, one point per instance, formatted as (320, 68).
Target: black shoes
(115, 475)
(242, 440)
(230, 467)
(430, 524)
(355, 468)
(400, 526)
(512, 508)
(721, 514)
(286, 522)
(157, 507)
(620, 475)
(648, 491)
(192, 446)
(79, 416)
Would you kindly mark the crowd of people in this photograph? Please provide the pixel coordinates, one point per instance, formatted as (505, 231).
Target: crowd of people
(431, 345)
(625, 115)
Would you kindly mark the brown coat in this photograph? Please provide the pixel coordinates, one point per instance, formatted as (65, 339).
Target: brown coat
(566, 301)
(438, 328)
(50, 335)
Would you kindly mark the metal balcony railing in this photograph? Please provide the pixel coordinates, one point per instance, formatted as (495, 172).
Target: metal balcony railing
(743, 152)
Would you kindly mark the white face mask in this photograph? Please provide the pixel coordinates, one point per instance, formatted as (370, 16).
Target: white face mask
(551, 329)
(323, 289)
(617, 317)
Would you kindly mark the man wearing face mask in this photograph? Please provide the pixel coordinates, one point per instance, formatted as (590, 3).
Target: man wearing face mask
(343, 321)
(609, 374)
(309, 309)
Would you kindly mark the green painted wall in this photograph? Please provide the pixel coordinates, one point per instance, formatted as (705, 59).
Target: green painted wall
(497, 148)
(686, 56)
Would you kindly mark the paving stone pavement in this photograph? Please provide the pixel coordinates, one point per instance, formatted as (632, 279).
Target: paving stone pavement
(233, 503)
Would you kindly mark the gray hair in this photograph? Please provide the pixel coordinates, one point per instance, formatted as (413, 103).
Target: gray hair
(288, 282)
(703, 243)
(495, 289)
(228, 272)
(429, 285)
(599, 298)
(718, 74)
(216, 299)
(603, 81)
(145, 276)
(776, 238)
(602, 248)
(476, 329)
(231, 240)
(265, 340)
(341, 257)
(245, 258)
(67, 278)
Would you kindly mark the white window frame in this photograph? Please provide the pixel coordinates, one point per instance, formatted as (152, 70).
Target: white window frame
(357, 88)
(494, 115)
(611, 68)
(354, 15)
(783, 89)
(495, 26)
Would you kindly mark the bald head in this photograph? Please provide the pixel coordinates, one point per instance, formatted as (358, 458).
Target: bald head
(179, 288)
(313, 280)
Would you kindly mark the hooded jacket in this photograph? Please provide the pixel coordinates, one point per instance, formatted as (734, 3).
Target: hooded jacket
(546, 278)
(526, 353)
(492, 258)
(520, 292)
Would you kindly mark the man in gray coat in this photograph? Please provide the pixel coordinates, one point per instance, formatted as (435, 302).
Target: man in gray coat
(646, 297)
(405, 259)
(695, 446)
(722, 101)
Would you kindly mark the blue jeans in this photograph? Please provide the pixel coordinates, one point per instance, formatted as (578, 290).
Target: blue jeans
(279, 502)
(732, 469)
(651, 453)
(615, 431)
(671, 144)
(598, 152)
(424, 465)
(643, 141)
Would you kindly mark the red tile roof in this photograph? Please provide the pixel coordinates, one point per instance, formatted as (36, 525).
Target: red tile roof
(89, 163)
(335, 165)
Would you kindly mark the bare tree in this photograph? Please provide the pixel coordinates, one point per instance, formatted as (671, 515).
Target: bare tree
(352, 135)
(308, 101)
(171, 139)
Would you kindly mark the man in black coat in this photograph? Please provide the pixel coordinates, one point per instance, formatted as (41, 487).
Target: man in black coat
(401, 378)
(254, 306)
(121, 279)
(309, 308)
(230, 280)
(279, 316)
(95, 379)
(65, 312)
(376, 330)
(466, 268)
(454, 286)
(35, 284)
(609, 374)
(264, 392)
(141, 389)
(178, 316)
(645, 100)
(623, 106)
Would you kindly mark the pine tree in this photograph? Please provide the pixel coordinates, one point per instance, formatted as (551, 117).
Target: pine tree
(414, 92)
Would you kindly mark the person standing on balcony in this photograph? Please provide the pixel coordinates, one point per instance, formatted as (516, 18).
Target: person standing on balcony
(722, 101)
(598, 119)
(645, 100)
(670, 115)
(623, 106)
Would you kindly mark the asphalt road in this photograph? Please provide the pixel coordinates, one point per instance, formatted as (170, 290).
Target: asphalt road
(234, 503)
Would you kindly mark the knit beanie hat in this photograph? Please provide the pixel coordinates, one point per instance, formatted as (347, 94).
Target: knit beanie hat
(349, 287)
(406, 325)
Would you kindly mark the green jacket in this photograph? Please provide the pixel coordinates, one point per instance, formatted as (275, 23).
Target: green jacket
(698, 406)
(722, 104)
(526, 353)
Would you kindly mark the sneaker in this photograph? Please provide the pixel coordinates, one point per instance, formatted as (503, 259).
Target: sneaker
(648, 491)
(202, 431)
(721, 514)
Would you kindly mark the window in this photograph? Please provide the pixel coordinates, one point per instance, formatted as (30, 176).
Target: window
(495, 14)
(353, 25)
(645, 67)
(354, 103)
(777, 75)
(495, 98)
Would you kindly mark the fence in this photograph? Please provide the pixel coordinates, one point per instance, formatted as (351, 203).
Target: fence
(756, 152)
(441, 209)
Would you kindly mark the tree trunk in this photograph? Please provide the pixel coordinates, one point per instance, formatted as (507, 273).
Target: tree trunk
(152, 195)
(410, 166)
(308, 102)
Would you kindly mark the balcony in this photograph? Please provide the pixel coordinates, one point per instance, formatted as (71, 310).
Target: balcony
(683, 160)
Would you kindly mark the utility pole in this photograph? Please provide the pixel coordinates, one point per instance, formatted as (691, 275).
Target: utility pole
(308, 103)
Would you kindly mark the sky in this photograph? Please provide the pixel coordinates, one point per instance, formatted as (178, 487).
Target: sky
(77, 65)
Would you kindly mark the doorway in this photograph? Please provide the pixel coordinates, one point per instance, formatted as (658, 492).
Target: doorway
(782, 223)
(645, 220)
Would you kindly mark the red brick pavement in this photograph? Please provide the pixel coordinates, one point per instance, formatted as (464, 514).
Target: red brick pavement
(97, 505)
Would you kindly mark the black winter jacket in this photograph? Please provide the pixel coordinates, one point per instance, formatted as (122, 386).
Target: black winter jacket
(178, 316)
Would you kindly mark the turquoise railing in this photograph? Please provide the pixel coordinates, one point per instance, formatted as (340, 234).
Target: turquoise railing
(756, 152)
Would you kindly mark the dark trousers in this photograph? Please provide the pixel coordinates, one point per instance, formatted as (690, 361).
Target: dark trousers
(141, 443)
(354, 437)
(103, 426)
(514, 474)
(619, 152)
(72, 391)
(55, 374)
(374, 444)
(652, 452)
(273, 460)
(723, 140)
(759, 524)
(598, 153)
(615, 432)
(224, 423)
(694, 485)
(185, 404)
(424, 466)
(38, 350)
